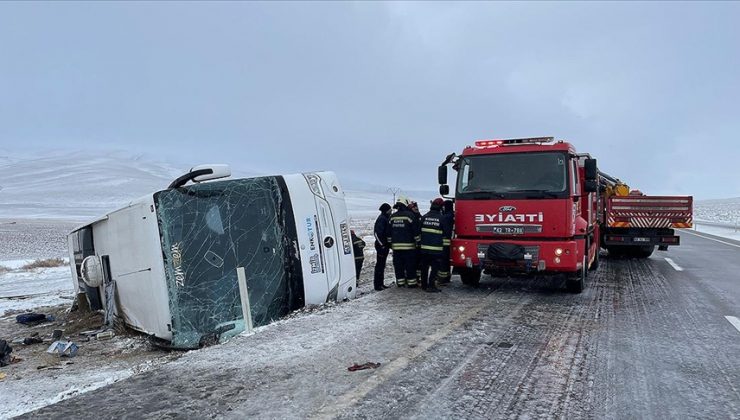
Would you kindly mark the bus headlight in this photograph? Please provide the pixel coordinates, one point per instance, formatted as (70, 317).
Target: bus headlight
(314, 182)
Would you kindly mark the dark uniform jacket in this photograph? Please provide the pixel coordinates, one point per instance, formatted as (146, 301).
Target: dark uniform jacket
(405, 230)
(435, 229)
(358, 246)
(382, 230)
(449, 219)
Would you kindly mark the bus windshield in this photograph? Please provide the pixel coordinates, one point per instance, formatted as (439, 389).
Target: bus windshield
(513, 175)
(210, 229)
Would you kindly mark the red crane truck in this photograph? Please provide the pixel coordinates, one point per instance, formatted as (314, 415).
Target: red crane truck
(536, 206)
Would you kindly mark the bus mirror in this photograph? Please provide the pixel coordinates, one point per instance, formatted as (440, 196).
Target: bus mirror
(592, 173)
(442, 174)
(444, 189)
(591, 186)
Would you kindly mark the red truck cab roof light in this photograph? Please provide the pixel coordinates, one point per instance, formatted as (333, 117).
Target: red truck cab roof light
(496, 143)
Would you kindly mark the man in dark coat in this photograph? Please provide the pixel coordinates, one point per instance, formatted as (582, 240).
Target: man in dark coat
(405, 231)
(382, 234)
(448, 215)
(358, 246)
(434, 230)
(414, 207)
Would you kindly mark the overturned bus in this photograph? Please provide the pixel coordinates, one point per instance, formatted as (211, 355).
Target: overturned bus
(167, 264)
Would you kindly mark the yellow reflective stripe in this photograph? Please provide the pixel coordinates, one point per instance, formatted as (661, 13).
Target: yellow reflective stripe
(360, 258)
(403, 247)
(427, 230)
(446, 242)
(408, 219)
(418, 238)
(432, 248)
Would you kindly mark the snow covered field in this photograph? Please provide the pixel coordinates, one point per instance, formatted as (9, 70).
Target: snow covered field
(26, 289)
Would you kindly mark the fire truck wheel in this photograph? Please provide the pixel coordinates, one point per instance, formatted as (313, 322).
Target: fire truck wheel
(470, 276)
(595, 264)
(644, 251)
(578, 282)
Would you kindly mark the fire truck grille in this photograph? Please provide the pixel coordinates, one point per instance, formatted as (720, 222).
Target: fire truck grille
(528, 264)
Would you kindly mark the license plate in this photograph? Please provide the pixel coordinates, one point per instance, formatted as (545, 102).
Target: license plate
(641, 240)
(508, 230)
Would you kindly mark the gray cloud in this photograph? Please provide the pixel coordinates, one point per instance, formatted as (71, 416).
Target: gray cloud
(380, 92)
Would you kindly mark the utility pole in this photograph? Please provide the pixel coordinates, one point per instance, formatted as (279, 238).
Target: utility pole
(394, 191)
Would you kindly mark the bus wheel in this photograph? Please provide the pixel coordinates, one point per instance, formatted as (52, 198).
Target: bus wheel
(470, 276)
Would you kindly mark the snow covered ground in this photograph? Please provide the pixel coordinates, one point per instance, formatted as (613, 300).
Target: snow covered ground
(26, 289)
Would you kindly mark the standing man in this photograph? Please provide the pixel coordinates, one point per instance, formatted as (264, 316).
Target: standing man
(414, 207)
(382, 234)
(404, 237)
(434, 230)
(448, 216)
(358, 246)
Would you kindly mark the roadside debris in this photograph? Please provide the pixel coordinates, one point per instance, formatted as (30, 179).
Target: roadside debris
(33, 339)
(5, 350)
(63, 348)
(33, 318)
(2, 375)
(105, 335)
(368, 365)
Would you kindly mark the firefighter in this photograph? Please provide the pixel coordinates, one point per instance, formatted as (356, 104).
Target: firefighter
(405, 233)
(434, 230)
(448, 215)
(358, 246)
(382, 232)
(414, 207)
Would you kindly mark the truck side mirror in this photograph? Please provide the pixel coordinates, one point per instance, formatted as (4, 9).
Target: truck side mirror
(591, 185)
(442, 174)
(590, 169)
(444, 189)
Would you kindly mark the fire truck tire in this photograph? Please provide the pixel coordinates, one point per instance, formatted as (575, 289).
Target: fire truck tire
(595, 264)
(643, 251)
(470, 276)
(577, 283)
(617, 251)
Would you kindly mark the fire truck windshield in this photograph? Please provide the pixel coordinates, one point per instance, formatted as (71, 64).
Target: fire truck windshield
(513, 175)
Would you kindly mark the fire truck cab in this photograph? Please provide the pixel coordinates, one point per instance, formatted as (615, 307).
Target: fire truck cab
(524, 206)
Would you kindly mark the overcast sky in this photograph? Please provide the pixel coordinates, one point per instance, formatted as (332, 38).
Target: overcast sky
(380, 92)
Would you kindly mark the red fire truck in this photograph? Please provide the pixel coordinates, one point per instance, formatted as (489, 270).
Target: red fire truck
(536, 206)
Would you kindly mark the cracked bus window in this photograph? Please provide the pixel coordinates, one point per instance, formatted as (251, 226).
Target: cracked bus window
(210, 229)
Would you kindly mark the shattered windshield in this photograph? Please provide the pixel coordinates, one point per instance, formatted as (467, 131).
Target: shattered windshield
(503, 175)
(210, 229)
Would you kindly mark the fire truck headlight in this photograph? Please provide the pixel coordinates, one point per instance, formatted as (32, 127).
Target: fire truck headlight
(558, 251)
(461, 248)
(557, 260)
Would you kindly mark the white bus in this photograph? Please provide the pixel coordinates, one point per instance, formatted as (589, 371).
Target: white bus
(167, 263)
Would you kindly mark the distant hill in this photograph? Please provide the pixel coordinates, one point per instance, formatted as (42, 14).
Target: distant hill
(85, 184)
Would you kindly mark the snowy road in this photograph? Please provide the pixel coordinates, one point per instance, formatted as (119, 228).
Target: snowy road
(645, 340)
